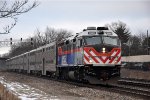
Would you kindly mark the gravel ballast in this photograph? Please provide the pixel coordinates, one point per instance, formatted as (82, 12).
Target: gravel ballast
(34, 88)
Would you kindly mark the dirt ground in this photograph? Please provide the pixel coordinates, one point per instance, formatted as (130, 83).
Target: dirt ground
(135, 74)
(45, 89)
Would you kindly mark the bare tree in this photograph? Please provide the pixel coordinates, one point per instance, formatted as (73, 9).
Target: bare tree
(63, 35)
(40, 39)
(11, 9)
(51, 35)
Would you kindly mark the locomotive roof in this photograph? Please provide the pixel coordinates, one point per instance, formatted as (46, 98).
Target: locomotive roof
(91, 31)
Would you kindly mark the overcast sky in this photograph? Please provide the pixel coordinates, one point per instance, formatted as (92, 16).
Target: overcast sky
(75, 15)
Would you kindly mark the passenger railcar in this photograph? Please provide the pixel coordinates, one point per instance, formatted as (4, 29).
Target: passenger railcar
(93, 53)
(25, 63)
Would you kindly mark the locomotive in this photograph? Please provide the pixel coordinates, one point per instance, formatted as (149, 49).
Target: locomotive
(93, 54)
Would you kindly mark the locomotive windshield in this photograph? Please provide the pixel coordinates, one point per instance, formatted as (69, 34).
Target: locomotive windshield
(102, 39)
(93, 40)
(111, 40)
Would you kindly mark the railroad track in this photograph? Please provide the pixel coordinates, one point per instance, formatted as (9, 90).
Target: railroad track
(141, 83)
(137, 91)
(125, 89)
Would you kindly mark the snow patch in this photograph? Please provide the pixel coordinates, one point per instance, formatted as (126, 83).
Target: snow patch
(25, 92)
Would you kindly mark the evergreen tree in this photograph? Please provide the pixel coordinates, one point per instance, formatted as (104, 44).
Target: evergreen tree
(123, 33)
(121, 30)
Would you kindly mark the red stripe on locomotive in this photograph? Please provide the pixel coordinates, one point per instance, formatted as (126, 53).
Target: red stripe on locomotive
(103, 57)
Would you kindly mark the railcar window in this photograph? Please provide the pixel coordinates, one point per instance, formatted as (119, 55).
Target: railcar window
(32, 63)
(69, 47)
(43, 49)
(81, 42)
(47, 49)
(67, 42)
(49, 61)
(39, 62)
(52, 47)
(74, 40)
(39, 51)
(33, 53)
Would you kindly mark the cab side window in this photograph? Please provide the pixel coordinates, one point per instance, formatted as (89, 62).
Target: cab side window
(79, 43)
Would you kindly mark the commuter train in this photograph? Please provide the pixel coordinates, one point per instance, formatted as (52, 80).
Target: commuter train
(93, 54)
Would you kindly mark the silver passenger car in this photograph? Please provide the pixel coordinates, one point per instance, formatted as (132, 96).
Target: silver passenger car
(41, 60)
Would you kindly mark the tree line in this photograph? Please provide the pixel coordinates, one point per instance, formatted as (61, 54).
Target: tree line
(130, 44)
(137, 44)
(39, 39)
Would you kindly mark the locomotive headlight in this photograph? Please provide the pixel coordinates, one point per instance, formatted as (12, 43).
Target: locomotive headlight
(90, 60)
(103, 50)
(116, 59)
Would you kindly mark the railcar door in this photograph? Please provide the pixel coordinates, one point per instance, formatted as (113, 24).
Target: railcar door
(28, 66)
(43, 66)
(79, 54)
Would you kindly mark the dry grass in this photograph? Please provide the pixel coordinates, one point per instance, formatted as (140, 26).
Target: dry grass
(6, 94)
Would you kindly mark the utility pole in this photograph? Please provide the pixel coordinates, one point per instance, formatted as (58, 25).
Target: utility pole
(129, 45)
(147, 43)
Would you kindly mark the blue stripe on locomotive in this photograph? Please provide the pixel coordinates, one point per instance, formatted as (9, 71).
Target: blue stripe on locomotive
(69, 59)
(59, 59)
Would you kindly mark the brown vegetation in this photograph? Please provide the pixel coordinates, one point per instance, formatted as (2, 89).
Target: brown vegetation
(6, 94)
